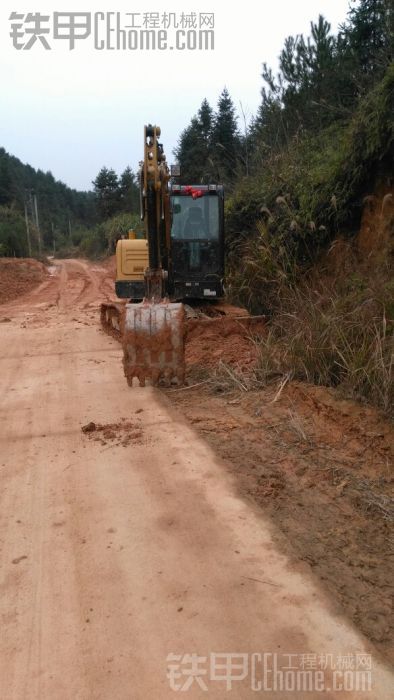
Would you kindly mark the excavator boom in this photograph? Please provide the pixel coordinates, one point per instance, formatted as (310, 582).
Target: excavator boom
(153, 331)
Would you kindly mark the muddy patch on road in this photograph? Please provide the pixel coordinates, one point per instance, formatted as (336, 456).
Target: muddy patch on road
(123, 433)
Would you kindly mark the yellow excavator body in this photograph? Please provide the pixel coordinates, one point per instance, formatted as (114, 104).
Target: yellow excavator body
(132, 259)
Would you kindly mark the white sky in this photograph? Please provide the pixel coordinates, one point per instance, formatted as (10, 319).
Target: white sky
(72, 112)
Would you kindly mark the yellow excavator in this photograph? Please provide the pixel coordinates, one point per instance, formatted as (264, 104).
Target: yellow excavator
(180, 259)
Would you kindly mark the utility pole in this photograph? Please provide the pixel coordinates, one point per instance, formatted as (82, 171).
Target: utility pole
(69, 228)
(37, 224)
(27, 230)
(53, 239)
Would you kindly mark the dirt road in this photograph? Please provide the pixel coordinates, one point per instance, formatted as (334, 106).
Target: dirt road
(127, 543)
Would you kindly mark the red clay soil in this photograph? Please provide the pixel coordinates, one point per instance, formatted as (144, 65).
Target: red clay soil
(110, 265)
(321, 468)
(19, 276)
(225, 339)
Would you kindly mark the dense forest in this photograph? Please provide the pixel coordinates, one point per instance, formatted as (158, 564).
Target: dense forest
(40, 214)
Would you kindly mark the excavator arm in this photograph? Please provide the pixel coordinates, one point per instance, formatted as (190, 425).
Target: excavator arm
(153, 331)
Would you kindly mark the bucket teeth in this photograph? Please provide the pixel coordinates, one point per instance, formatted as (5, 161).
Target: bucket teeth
(153, 342)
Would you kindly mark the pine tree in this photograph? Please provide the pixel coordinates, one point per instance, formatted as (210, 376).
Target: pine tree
(225, 139)
(311, 90)
(129, 194)
(194, 146)
(187, 153)
(368, 41)
(205, 121)
(107, 191)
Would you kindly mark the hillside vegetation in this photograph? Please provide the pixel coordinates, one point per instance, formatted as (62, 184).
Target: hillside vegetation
(39, 214)
(316, 158)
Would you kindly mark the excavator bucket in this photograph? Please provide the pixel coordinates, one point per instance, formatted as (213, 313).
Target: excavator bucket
(153, 342)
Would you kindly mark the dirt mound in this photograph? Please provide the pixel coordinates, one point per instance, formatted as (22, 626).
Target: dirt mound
(19, 276)
(223, 339)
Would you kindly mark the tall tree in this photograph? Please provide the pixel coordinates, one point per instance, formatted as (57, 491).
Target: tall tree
(205, 119)
(367, 39)
(194, 147)
(321, 78)
(108, 193)
(225, 139)
(129, 196)
(305, 87)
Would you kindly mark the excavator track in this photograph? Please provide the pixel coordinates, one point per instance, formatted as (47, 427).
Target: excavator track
(111, 317)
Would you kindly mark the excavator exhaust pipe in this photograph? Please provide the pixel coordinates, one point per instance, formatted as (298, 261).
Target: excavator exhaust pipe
(153, 342)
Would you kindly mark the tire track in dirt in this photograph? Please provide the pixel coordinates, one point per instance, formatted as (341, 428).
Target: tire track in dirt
(90, 277)
(62, 286)
(73, 284)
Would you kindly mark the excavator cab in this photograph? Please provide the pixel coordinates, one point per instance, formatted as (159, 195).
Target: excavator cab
(196, 260)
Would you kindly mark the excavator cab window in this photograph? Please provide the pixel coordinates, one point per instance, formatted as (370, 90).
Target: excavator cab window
(195, 219)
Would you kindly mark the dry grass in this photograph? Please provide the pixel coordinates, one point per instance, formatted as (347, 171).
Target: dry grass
(339, 335)
(332, 324)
